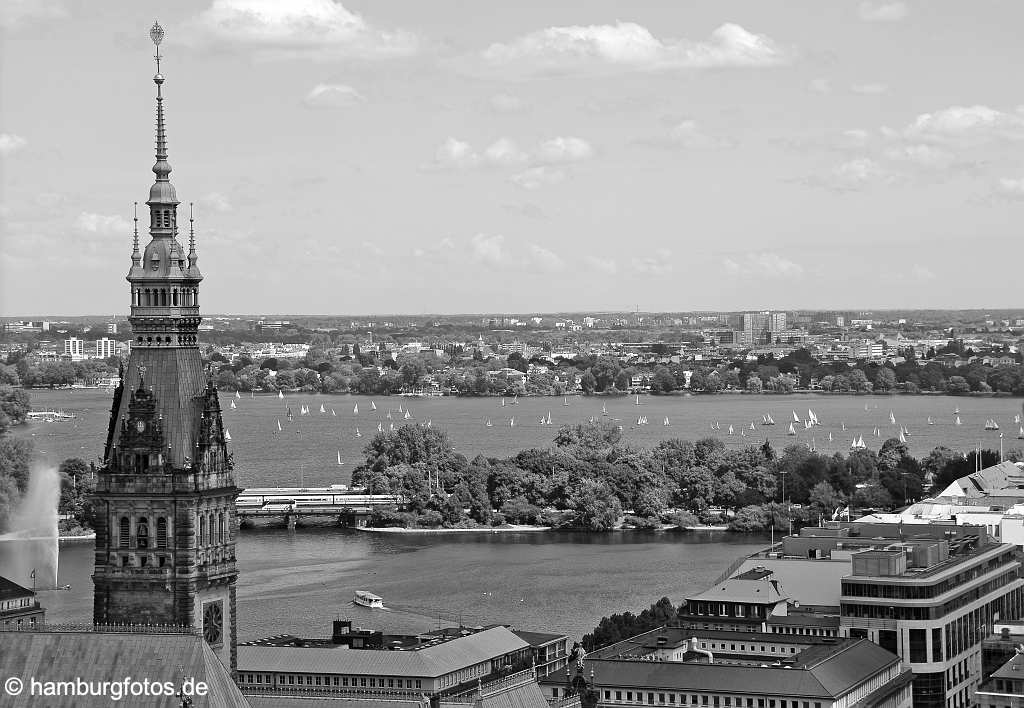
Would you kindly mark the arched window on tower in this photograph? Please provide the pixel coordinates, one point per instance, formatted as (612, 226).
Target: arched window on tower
(174, 297)
(161, 532)
(220, 528)
(142, 533)
(201, 537)
(123, 532)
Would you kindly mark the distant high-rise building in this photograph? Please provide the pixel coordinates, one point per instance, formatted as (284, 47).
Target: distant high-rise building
(74, 348)
(105, 348)
(776, 321)
(111, 327)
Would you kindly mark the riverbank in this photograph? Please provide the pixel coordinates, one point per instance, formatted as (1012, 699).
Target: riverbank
(481, 529)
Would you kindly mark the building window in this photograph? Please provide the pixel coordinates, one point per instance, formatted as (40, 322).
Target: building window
(161, 532)
(123, 532)
(142, 533)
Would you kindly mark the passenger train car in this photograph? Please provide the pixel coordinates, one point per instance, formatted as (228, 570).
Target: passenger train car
(297, 497)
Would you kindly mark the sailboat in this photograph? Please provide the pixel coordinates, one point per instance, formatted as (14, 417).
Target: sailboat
(730, 430)
(488, 423)
(796, 418)
(233, 404)
(892, 418)
(358, 434)
(638, 400)
(339, 457)
(512, 422)
(906, 431)
(237, 394)
(1020, 435)
(279, 425)
(388, 415)
(792, 430)
(252, 394)
(956, 410)
(771, 421)
(288, 413)
(752, 425)
(355, 409)
(503, 402)
(865, 406)
(665, 422)
(549, 418)
(373, 406)
(592, 420)
(280, 394)
(322, 410)
(227, 434)
(407, 415)
(604, 409)
(565, 401)
(844, 427)
(930, 421)
(333, 413)
(991, 424)
(391, 426)
(1016, 418)
(430, 422)
(957, 421)
(830, 436)
(400, 408)
(903, 438)
(380, 427)
(515, 399)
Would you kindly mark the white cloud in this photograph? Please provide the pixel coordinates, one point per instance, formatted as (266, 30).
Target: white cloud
(440, 250)
(504, 152)
(488, 250)
(820, 86)
(372, 248)
(853, 175)
(332, 96)
(544, 260)
(854, 137)
(632, 47)
(217, 202)
(689, 135)
(602, 265)
(309, 28)
(658, 264)
(14, 13)
(455, 154)
(558, 150)
(966, 125)
(921, 155)
(537, 177)
(10, 143)
(103, 224)
(769, 265)
(870, 89)
(883, 11)
(1010, 188)
(920, 272)
(506, 103)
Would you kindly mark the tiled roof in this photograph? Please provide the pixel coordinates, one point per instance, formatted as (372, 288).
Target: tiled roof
(98, 657)
(823, 672)
(10, 590)
(432, 661)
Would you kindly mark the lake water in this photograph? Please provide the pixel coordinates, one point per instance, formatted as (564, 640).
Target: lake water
(297, 582)
(307, 447)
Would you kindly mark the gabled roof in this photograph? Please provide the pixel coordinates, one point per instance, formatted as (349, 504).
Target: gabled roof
(98, 656)
(10, 590)
(1005, 475)
(755, 590)
(431, 661)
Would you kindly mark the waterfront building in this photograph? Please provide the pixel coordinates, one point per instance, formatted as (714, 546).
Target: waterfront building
(436, 664)
(165, 494)
(928, 593)
(680, 667)
(19, 607)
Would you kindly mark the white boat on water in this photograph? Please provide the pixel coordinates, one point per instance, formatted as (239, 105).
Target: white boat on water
(638, 400)
(233, 404)
(322, 409)
(279, 425)
(730, 430)
(604, 409)
(991, 424)
(227, 434)
(373, 406)
(844, 427)
(892, 418)
(339, 457)
(796, 418)
(280, 394)
(368, 599)
(512, 422)
(1020, 435)
(407, 415)
(488, 423)
(333, 413)
(355, 409)
(792, 430)
(237, 394)
(503, 402)
(358, 434)
(666, 421)
(565, 402)
(930, 421)
(957, 421)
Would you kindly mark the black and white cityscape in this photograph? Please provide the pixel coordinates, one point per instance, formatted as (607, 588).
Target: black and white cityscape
(544, 355)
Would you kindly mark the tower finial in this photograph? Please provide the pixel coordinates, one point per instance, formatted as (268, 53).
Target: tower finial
(161, 168)
(136, 258)
(192, 257)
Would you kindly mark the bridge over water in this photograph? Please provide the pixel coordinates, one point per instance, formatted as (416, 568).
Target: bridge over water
(351, 507)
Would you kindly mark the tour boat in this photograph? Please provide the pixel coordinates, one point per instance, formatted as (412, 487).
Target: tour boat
(233, 404)
(280, 394)
(339, 457)
(792, 430)
(368, 599)
(355, 409)
(227, 434)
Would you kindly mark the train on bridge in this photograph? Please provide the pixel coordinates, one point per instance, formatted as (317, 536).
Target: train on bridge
(285, 499)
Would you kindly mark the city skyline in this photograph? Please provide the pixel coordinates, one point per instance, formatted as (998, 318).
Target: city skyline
(547, 158)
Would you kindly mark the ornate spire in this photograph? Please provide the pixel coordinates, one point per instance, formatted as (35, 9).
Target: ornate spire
(136, 257)
(162, 168)
(193, 257)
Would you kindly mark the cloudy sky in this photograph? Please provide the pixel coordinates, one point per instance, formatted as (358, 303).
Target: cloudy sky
(537, 155)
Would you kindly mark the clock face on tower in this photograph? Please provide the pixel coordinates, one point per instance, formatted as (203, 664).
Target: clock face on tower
(213, 622)
(140, 426)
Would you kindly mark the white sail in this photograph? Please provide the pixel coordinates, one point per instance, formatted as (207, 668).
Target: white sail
(666, 421)
(903, 438)
(322, 410)
(280, 394)
(549, 417)
(892, 418)
(358, 434)
(237, 394)
(339, 457)
(1020, 435)
(730, 430)
(844, 427)
(380, 427)
(771, 421)
(930, 421)
(355, 409)
(227, 434)
(373, 406)
(830, 436)
(957, 421)
(391, 426)
(752, 425)
(502, 401)
(388, 416)
(233, 404)
(792, 430)
(796, 418)
(333, 413)
(488, 423)
(604, 409)
(407, 415)
(565, 402)
(400, 408)
(512, 422)
(279, 425)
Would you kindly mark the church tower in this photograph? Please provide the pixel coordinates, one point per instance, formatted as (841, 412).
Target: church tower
(165, 496)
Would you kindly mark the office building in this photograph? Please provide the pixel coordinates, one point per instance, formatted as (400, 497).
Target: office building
(105, 348)
(74, 348)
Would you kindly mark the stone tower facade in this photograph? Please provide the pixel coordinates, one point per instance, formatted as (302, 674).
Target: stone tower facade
(165, 496)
